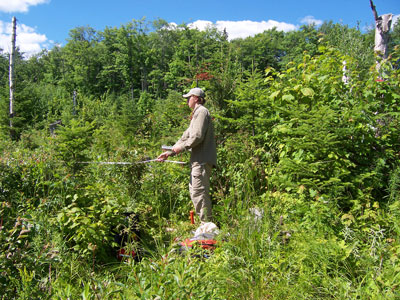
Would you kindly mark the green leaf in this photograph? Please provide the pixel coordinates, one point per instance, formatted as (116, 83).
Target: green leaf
(395, 96)
(288, 97)
(274, 95)
(348, 217)
(313, 193)
(308, 92)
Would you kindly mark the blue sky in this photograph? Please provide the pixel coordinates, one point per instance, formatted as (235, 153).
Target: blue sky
(42, 23)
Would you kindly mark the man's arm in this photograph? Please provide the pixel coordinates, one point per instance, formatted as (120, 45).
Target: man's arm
(177, 148)
(180, 144)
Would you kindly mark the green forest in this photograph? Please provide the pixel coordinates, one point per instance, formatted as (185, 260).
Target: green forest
(317, 156)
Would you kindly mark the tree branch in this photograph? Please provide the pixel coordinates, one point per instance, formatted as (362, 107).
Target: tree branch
(374, 10)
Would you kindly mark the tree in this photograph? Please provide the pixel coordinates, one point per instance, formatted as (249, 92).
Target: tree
(394, 36)
(382, 29)
(12, 73)
(82, 64)
(350, 42)
(295, 43)
(261, 51)
(250, 106)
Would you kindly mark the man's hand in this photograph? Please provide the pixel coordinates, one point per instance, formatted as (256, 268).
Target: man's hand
(164, 155)
(176, 149)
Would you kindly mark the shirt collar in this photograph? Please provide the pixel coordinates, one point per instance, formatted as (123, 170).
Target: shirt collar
(196, 107)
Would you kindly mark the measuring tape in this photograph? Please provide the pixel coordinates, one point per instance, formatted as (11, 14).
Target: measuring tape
(130, 163)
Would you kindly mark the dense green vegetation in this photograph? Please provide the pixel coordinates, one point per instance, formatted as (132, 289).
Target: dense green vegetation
(318, 157)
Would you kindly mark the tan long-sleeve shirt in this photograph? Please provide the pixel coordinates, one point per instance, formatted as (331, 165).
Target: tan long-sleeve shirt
(199, 137)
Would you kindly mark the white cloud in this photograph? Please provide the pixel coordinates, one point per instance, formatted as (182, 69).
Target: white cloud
(200, 24)
(243, 29)
(28, 40)
(309, 20)
(19, 5)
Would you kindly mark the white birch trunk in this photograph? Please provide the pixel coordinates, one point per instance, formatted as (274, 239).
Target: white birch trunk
(11, 71)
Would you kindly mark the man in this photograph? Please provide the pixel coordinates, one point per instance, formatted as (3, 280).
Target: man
(199, 138)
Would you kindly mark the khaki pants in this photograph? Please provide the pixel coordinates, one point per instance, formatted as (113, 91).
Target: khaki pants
(199, 188)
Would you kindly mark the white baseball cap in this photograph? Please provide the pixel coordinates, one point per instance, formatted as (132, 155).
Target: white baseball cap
(195, 92)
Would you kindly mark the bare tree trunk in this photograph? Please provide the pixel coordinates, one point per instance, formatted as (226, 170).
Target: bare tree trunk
(382, 28)
(11, 71)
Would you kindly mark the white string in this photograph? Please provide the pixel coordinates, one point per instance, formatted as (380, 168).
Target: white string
(130, 163)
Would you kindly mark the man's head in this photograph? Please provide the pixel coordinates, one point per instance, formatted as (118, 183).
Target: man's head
(197, 94)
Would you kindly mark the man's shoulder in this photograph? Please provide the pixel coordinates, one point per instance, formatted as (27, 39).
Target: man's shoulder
(202, 110)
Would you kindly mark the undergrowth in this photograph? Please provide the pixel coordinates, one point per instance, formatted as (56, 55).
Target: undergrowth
(306, 197)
